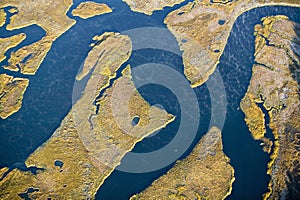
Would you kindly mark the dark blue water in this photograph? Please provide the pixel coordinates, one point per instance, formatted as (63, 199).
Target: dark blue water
(235, 66)
(49, 98)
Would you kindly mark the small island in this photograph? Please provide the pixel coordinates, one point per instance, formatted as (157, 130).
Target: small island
(90, 9)
(205, 174)
(11, 94)
(275, 85)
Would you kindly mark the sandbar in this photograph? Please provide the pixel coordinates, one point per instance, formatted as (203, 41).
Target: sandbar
(90, 9)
